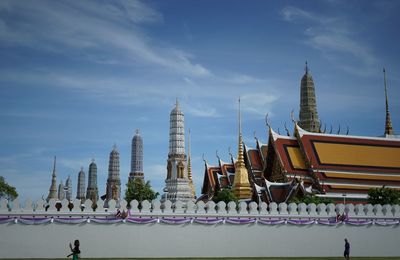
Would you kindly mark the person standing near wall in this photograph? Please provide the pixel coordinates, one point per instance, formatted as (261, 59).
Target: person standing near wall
(75, 250)
(346, 249)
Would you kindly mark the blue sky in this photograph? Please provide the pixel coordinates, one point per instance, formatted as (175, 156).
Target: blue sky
(77, 77)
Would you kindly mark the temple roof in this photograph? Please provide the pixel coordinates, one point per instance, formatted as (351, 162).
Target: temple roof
(350, 153)
(289, 153)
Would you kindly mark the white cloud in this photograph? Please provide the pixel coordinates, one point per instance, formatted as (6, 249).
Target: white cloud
(201, 111)
(333, 35)
(258, 103)
(113, 27)
(243, 79)
(74, 164)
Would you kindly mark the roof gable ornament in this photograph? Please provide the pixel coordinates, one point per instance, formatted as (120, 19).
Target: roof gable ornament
(292, 116)
(267, 123)
(204, 160)
(287, 130)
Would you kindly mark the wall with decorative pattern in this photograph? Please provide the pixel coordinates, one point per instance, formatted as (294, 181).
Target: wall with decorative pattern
(197, 230)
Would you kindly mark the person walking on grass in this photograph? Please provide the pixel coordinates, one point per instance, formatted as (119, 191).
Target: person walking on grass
(75, 251)
(346, 249)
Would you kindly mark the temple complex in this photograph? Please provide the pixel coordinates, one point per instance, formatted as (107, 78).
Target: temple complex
(336, 166)
(309, 161)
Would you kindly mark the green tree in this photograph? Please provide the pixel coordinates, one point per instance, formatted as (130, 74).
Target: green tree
(139, 190)
(310, 198)
(7, 191)
(383, 196)
(225, 195)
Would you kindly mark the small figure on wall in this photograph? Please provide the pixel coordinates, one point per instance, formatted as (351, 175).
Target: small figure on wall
(75, 250)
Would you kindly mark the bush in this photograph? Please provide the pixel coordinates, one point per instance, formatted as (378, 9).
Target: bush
(384, 196)
(137, 189)
(7, 191)
(310, 198)
(225, 195)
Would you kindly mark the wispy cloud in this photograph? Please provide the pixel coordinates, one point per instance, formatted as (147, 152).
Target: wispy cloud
(258, 103)
(74, 164)
(333, 35)
(243, 79)
(94, 26)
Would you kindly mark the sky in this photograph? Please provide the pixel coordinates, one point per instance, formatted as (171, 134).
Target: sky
(77, 77)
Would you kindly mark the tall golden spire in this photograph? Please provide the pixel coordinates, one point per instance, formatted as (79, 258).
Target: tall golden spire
(241, 184)
(189, 170)
(388, 123)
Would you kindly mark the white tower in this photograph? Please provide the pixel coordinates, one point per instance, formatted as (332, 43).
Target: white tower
(177, 181)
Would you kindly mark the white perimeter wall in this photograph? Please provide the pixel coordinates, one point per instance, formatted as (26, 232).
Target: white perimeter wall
(195, 240)
(50, 240)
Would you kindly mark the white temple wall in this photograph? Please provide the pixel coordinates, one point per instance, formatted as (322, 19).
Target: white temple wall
(191, 239)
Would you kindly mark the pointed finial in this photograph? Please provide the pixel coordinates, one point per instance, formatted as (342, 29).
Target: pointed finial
(137, 131)
(267, 121)
(230, 152)
(92, 160)
(287, 130)
(338, 132)
(306, 69)
(255, 136)
(204, 160)
(240, 123)
(189, 143)
(216, 154)
(388, 123)
(330, 131)
(115, 146)
(54, 166)
(292, 116)
(81, 168)
(348, 129)
(177, 102)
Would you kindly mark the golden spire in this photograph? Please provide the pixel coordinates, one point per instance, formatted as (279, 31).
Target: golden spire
(241, 184)
(189, 170)
(388, 124)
